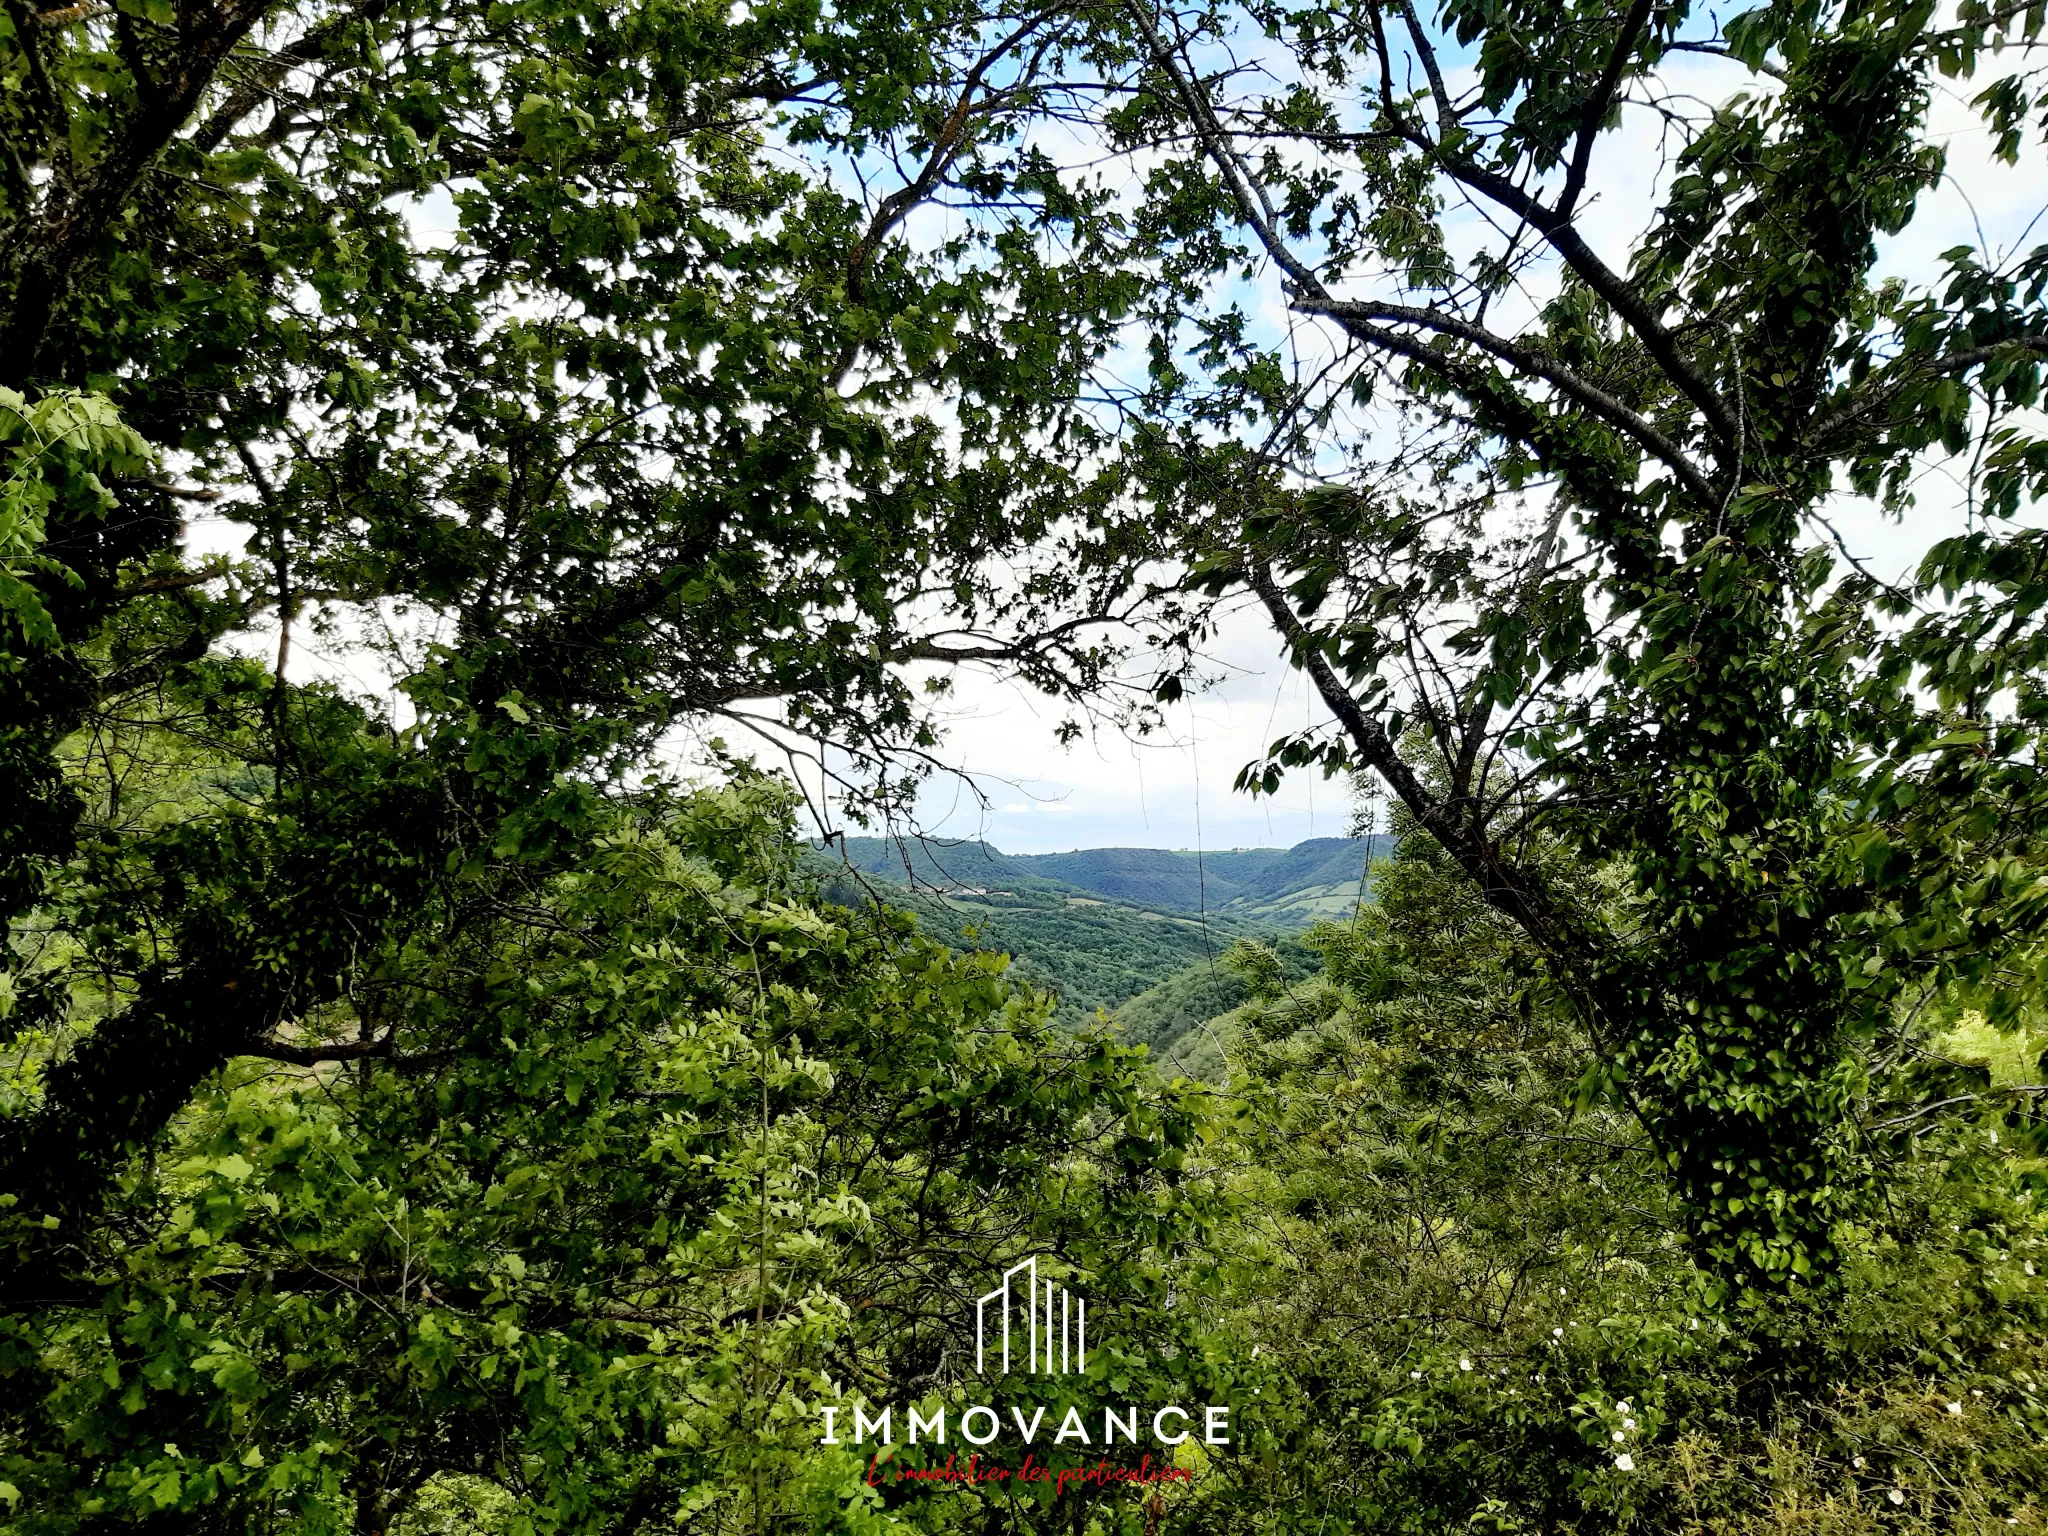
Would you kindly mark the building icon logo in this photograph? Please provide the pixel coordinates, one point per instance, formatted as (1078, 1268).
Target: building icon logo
(1051, 1324)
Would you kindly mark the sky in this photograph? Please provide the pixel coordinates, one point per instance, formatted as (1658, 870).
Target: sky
(1018, 787)
(1171, 790)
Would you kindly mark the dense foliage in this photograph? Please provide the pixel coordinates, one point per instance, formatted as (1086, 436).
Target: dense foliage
(535, 371)
(1473, 1272)
(665, 1158)
(1189, 1020)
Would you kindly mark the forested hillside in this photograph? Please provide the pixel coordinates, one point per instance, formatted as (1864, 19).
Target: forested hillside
(474, 476)
(1089, 952)
(1187, 1021)
(1100, 925)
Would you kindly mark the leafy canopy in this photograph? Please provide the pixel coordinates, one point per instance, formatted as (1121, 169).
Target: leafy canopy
(563, 372)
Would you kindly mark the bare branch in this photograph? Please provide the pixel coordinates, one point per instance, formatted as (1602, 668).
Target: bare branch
(295, 1054)
(1504, 887)
(178, 492)
(1555, 227)
(170, 581)
(2015, 1090)
(1594, 114)
(1720, 51)
(1252, 203)
(1620, 294)
(1440, 98)
(70, 15)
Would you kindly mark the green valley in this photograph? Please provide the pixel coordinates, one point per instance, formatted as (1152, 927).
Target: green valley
(1107, 927)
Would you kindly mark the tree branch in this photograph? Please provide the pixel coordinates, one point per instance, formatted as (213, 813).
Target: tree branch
(1618, 293)
(1440, 98)
(1529, 360)
(1252, 203)
(264, 79)
(380, 1049)
(1556, 228)
(946, 145)
(70, 15)
(1720, 51)
(1504, 888)
(271, 1049)
(175, 491)
(1879, 392)
(169, 581)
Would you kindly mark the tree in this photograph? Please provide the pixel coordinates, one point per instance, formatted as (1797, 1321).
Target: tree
(664, 1155)
(1585, 549)
(566, 362)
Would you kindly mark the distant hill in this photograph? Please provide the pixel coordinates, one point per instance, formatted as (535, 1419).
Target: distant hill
(927, 861)
(1152, 877)
(1265, 880)
(1100, 926)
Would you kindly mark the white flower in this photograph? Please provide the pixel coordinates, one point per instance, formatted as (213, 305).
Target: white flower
(1464, 1365)
(1618, 1437)
(1628, 1423)
(1976, 1392)
(1858, 1462)
(1897, 1496)
(2030, 1266)
(1557, 1333)
(1623, 1406)
(1955, 1407)
(1624, 1462)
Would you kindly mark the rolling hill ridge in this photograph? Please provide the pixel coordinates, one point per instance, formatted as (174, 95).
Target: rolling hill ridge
(1167, 879)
